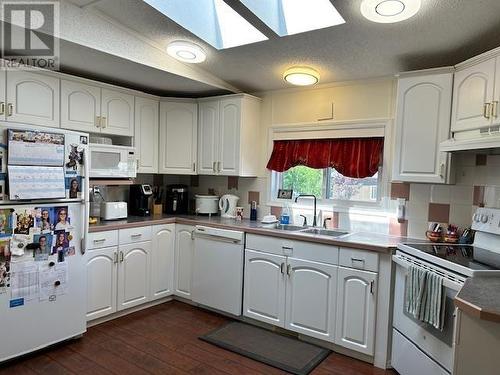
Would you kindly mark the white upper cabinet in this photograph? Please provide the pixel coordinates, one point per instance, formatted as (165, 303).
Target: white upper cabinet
(229, 132)
(310, 298)
(80, 106)
(133, 274)
(146, 134)
(208, 137)
(32, 98)
(422, 123)
(3, 104)
(356, 297)
(230, 125)
(264, 287)
(473, 96)
(117, 113)
(178, 137)
(162, 261)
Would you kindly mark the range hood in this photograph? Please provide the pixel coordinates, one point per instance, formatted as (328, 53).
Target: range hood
(483, 141)
(452, 144)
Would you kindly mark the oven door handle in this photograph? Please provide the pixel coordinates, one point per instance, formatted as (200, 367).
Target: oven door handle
(447, 283)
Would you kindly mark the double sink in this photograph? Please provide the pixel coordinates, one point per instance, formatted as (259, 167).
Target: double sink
(309, 230)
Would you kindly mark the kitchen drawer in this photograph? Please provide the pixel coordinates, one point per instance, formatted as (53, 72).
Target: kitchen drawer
(133, 235)
(268, 244)
(99, 240)
(297, 249)
(359, 259)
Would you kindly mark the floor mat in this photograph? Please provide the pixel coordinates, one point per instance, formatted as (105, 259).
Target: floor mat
(274, 349)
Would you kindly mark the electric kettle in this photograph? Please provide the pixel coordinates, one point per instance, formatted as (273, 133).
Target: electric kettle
(227, 205)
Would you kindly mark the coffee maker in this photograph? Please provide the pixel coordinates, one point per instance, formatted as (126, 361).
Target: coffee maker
(177, 199)
(139, 199)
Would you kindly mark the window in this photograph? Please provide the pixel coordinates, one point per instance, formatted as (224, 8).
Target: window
(328, 184)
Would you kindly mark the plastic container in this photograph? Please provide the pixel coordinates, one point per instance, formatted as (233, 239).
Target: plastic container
(285, 215)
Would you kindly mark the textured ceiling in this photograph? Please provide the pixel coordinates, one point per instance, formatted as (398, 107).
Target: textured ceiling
(444, 32)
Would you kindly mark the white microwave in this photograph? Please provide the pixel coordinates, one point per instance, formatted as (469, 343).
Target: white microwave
(109, 161)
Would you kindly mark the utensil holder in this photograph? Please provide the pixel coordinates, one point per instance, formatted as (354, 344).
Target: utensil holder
(157, 209)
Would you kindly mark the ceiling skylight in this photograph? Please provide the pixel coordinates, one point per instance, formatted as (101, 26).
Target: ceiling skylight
(287, 17)
(211, 20)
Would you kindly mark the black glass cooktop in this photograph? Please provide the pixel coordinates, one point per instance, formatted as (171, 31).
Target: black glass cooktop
(468, 256)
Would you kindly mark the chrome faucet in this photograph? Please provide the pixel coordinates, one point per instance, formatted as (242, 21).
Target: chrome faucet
(315, 201)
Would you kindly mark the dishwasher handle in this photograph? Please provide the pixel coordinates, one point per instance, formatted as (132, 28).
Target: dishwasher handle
(218, 234)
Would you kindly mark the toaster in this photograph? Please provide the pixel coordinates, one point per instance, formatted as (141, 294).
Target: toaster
(113, 210)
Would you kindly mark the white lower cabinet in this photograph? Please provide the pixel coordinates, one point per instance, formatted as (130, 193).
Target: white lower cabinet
(310, 298)
(184, 251)
(162, 261)
(133, 274)
(356, 297)
(264, 290)
(101, 282)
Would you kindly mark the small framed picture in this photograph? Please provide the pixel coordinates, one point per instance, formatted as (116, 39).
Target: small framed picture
(285, 193)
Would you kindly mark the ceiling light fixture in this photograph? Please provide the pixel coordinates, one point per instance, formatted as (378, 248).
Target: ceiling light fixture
(301, 76)
(186, 52)
(389, 11)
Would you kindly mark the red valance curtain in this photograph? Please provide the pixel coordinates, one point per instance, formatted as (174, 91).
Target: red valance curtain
(352, 157)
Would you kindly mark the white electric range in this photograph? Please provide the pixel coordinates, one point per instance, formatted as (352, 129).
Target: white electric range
(417, 347)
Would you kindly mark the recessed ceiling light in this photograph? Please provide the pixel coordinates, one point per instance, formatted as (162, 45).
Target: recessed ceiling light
(301, 76)
(186, 52)
(389, 11)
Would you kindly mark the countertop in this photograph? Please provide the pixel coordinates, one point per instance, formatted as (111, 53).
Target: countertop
(480, 297)
(359, 240)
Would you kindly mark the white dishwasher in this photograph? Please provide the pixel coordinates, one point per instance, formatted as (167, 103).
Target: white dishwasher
(218, 269)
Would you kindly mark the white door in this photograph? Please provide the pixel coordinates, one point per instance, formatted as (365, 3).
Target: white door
(229, 133)
(101, 282)
(208, 137)
(311, 292)
(117, 113)
(146, 134)
(133, 274)
(178, 137)
(162, 261)
(33, 98)
(355, 320)
(184, 250)
(422, 123)
(3, 104)
(264, 287)
(80, 106)
(473, 91)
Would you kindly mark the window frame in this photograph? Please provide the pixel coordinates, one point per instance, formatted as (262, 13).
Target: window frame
(335, 129)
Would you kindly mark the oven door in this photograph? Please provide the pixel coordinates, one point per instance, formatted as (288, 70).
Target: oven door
(435, 344)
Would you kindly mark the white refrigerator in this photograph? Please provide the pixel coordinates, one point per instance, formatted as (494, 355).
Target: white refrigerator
(43, 224)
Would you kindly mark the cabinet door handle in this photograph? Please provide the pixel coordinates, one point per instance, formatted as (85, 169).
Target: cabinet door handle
(103, 122)
(213, 167)
(218, 166)
(194, 167)
(494, 109)
(115, 257)
(98, 121)
(2, 108)
(10, 109)
(288, 270)
(121, 256)
(441, 170)
(282, 268)
(486, 110)
(372, 287)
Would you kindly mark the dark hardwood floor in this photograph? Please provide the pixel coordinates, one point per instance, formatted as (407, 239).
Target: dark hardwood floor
(159, 340)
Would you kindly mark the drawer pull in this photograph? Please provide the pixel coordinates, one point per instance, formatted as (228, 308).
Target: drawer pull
(100, 240)
(136, 235)
(356, 262)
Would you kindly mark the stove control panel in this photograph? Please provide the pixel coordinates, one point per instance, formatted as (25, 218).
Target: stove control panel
(486, 220)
